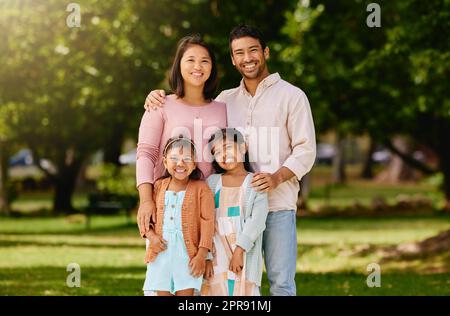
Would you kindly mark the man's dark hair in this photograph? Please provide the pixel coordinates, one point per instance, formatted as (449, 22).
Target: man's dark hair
(176, 79)
(245, 30)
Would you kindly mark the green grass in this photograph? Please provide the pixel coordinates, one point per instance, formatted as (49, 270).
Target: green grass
(356, 190)
(37, 201)
(363, 193)
(34, 254)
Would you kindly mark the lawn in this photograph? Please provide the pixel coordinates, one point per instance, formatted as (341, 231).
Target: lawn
(333, 253)
(34, 254)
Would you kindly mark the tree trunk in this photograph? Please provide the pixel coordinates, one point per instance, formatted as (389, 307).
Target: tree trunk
(82, 175)
(4, 180)
(444, 165)
(367, 170)
(397, 170)
(339, 175)
(305, 187)
(113, 149)
(65, 184)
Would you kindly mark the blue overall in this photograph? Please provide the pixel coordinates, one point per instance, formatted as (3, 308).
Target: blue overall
(170, 270)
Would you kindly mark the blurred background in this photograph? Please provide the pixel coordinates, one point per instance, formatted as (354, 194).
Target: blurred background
(71, 100)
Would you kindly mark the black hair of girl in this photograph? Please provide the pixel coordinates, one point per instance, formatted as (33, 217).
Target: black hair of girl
(177, 142)
(236, 136)
(176, 81)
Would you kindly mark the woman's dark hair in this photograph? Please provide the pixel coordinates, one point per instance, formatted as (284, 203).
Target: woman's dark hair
(181, 142)
(244, 30)
(236, 136)
(176, 79)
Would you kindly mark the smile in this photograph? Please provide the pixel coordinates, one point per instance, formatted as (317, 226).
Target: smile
(251, 66)
(197, 74)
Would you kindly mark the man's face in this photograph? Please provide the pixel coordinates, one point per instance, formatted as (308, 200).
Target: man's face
(248, 57)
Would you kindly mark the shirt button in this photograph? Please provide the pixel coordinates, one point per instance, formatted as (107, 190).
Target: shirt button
(172, 206)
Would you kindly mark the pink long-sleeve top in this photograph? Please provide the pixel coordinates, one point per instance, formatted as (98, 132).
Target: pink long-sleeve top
(198, 122)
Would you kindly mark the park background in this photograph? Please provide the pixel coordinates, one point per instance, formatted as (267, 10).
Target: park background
(71, 99)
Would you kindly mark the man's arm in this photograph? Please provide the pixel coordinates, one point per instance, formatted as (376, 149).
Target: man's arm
(154, 100)
(300, 126)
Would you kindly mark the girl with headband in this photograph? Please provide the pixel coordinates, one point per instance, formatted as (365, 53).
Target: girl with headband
(181, 233)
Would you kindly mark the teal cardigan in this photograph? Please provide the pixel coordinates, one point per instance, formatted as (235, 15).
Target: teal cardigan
(256, 208)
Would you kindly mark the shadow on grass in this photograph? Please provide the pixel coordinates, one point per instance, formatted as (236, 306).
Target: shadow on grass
(120, 281)
(126, 228)
(52, 281)
(362, 223)
(344, 284)
(115, 226)
(8, 243)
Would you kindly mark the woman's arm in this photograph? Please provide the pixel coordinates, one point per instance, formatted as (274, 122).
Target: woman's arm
(147, 209)
(150, 133)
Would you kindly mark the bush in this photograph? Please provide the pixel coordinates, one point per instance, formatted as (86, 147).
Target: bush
(113, 180)
(12, 191)
(436, 180)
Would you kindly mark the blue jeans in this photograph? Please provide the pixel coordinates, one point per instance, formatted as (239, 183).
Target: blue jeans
(280, 252)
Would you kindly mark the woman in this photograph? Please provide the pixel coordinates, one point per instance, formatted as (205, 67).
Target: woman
(190, 111)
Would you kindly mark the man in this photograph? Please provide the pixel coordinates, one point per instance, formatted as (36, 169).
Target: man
(276, 119)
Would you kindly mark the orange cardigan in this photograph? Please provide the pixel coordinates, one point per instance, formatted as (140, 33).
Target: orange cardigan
(197, 216)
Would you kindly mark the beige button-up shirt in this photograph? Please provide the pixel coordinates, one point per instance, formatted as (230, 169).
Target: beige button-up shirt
(279, 130)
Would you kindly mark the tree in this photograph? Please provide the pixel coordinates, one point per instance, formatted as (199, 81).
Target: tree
(328, 39)
(383, 81)
(77, 89)
(416, 57)
(74, 88)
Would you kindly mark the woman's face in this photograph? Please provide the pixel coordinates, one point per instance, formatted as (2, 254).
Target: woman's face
(228, 154)
(179, 162)
(195, 66)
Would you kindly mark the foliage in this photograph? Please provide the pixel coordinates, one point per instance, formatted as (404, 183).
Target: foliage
(114, 180)
(381, 81)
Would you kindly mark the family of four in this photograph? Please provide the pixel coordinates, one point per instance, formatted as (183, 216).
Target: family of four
(218, 179)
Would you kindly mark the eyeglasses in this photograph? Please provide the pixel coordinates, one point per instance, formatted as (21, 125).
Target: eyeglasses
(175, 160)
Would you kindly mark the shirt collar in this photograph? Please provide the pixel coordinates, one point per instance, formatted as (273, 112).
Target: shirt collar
(265, 83)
